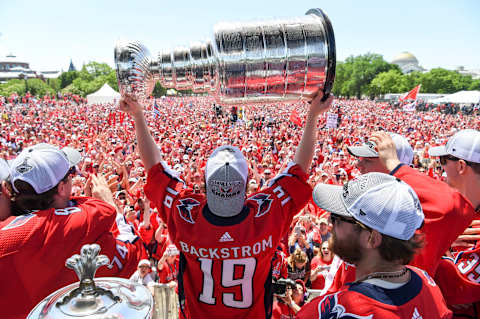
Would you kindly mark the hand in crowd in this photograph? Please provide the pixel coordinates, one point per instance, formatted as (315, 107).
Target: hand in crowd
(386, 149)
(101, 190)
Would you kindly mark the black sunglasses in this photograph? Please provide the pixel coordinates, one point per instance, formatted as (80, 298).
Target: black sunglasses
(443, 159)
(336, 218)
(71, 171)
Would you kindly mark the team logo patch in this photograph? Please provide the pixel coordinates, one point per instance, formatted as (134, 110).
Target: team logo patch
(264, 203)
(224, 189)
(24, 167)
(19, 221)
(185, 209)
(329, 308)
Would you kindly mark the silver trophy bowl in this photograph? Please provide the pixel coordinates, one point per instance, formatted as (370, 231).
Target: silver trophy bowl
(244, 63)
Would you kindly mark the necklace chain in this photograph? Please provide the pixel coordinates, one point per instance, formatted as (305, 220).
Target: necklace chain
(384, 275)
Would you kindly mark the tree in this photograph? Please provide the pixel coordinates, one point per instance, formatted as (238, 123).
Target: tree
(39, 88)
(66, 78)
(356, 73)
(12, 86)
(392, 81)
(159, 90)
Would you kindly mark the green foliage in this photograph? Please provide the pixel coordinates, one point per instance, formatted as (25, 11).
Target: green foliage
(12, 86)
(356, 73)
(388, 82)
(38, 87)
(66, 78)
(159, 90)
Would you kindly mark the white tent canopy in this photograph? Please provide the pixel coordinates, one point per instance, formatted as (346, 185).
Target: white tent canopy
(462, 97)
(105, 95)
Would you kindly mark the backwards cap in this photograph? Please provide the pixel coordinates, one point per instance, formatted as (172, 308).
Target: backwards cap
(226, 179)
(43, 166)
(377, 200)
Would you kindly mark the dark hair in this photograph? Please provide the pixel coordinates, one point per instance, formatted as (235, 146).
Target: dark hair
(474, 166)
(393, 249)
(27, 199)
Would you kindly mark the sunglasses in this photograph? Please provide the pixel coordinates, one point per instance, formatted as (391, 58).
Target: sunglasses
(71, 171)
(336, 218)
(443, 159)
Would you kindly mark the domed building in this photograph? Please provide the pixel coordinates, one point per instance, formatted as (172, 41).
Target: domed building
(407, 62)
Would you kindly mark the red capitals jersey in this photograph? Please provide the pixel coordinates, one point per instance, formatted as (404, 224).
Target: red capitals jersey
(459, 279)
(279, 265)
(35, 246)
(225, 263)
(420, 298)
(168, 272)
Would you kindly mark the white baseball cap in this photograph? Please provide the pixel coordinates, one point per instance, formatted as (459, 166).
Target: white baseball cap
(404, 149)
(377, 200)
(43, 166)
(465, 144)
(226, 177)
(144, 262)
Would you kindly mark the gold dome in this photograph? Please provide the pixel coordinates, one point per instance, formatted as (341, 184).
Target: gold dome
(404, 58)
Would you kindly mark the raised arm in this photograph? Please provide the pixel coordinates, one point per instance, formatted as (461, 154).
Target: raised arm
(149, 152)
(306, 147)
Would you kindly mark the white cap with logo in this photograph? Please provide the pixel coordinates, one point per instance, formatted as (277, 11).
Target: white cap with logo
(403, 147)
(226, 177)
(377, 200)
(465, 144)
(43, 166)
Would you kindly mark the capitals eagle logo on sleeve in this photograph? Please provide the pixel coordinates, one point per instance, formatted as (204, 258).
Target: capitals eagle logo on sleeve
(185, 209)
(264, 203)
(329, 308)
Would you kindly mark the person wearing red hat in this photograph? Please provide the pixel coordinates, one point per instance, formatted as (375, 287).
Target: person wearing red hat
(226, 240)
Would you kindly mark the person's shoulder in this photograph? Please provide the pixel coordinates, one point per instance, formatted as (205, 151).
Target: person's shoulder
(332, 305)
(86, 204)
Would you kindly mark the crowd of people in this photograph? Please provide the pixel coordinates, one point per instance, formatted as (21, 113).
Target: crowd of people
(152, 163)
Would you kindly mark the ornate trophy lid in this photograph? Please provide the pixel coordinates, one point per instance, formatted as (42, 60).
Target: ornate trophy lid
(102, 298)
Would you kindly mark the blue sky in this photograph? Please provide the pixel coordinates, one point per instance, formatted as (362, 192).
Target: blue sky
(441, 33)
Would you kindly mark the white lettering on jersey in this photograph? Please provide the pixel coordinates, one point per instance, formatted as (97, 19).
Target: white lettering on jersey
(67, 211)
(467, 264)
(230, 252)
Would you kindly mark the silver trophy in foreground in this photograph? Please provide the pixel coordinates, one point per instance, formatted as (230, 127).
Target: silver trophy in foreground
(106, 297)
(244, 63)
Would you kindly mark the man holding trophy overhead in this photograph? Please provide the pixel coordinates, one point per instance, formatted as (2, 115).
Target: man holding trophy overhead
(226, 239)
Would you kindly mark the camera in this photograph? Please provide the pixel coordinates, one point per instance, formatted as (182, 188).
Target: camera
(279, 286)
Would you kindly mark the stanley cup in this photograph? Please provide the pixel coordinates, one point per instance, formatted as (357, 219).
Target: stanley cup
(252, 62)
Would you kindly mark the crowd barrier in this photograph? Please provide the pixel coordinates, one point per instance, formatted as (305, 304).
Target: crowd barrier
(165, 302)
